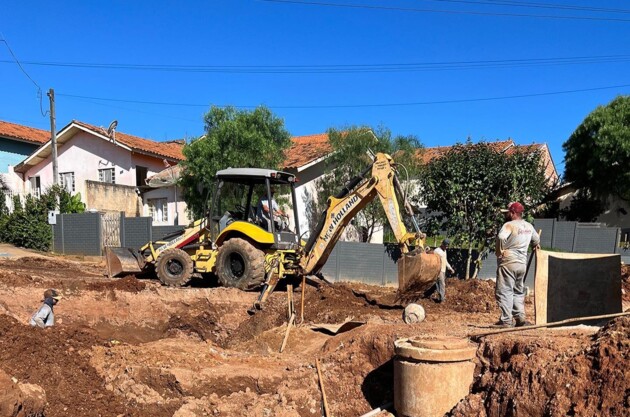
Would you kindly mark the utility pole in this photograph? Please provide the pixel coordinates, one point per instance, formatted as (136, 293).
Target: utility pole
(53, 136)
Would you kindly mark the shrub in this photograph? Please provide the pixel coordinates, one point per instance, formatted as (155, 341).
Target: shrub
(27, 226)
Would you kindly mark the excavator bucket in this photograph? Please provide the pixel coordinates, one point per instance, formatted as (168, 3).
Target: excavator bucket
(121, 261)
(417, 272)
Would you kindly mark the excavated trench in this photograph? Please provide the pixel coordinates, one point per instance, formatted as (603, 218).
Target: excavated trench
(129, 347)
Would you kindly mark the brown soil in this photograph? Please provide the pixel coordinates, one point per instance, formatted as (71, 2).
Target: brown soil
(128, 347)
(57, 361)
(533, 377)
(129, 283)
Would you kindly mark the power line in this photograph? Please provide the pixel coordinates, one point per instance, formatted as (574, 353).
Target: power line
(458, 12)
(17, 61)
(405, 104)
(553, 6)
(133, 110)
(345, 68)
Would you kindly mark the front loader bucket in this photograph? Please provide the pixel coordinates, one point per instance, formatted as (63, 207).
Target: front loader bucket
(417, 272)
(121, 260)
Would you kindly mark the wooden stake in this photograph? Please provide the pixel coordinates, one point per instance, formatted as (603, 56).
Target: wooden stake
(286, 334)
(290, 306)
(302, 299)
(321, 386)
(555, 323)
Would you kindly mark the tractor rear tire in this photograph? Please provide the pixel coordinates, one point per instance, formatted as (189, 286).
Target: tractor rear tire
(240, 265)
(174, 267)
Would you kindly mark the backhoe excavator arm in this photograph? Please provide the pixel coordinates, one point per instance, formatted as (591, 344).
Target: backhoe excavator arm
(359, 192)
(416, 269)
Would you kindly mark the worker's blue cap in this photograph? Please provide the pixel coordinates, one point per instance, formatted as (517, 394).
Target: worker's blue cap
(446, 242)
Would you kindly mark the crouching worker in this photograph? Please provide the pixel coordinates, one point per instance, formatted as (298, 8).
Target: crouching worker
(44, 317)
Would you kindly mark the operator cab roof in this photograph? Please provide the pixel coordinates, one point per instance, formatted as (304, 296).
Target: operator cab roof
(255, 176)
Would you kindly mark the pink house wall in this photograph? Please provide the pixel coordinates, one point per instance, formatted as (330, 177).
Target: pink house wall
(84, 154)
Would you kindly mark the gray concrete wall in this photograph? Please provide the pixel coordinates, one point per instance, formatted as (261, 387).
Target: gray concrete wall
(77, 234)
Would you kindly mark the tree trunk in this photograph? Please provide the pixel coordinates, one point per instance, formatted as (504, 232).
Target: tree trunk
(480, 258)
(468, 258)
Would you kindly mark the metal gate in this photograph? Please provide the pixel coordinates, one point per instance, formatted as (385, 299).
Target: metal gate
(110, 225)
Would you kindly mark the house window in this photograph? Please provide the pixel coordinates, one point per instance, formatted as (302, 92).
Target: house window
(158, 209)
(141, 175)
(107, 175)
(66, 180)
(36, 186)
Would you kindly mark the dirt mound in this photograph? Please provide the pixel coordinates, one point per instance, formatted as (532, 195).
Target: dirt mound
(36, 262)
(470, 296)
(57, 360)
(329, 304)
(17, 279)
(129, 283)
(462, 296)
(20, 400)
(535, 378)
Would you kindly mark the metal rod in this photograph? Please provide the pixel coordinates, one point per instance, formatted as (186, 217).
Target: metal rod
(531, 257)
(555, 323)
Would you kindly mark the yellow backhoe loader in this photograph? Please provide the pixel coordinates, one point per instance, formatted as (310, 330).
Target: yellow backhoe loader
(248, 248)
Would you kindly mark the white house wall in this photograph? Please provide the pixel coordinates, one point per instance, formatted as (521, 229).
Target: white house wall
(174, 206)
(307, 184)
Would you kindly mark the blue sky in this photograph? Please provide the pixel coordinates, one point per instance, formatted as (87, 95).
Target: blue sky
(271, 52)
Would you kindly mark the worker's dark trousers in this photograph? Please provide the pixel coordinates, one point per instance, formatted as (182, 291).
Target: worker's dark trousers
(441, 286)
(510, 291)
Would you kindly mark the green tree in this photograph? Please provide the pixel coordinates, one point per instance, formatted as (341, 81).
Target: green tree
(597, 156)
(465, 189)
(351, 156)
(233, 138)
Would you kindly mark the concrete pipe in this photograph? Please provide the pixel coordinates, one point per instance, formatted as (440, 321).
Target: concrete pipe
(431, 375)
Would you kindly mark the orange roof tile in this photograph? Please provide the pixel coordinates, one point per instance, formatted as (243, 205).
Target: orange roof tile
(429, 154)
(25, 133)
(172, 150)
(305, 149)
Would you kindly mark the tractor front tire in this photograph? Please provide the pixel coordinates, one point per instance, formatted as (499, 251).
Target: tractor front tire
(174, 267)
(240, 265)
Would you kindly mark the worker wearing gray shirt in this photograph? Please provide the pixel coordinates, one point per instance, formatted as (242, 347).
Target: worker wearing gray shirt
(512, 242)
(44, 317)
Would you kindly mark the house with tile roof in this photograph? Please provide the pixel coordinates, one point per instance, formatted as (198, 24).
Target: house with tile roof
(306, 158)
(307, 154)
(108, 169)
(508, 147)
(16, 143)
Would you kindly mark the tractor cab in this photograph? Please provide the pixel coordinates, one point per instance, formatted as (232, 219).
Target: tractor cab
(241, 206)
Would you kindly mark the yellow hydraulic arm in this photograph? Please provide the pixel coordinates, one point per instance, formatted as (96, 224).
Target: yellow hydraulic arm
(356, 195)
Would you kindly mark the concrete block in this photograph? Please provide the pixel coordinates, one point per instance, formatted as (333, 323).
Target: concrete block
(571, 285)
